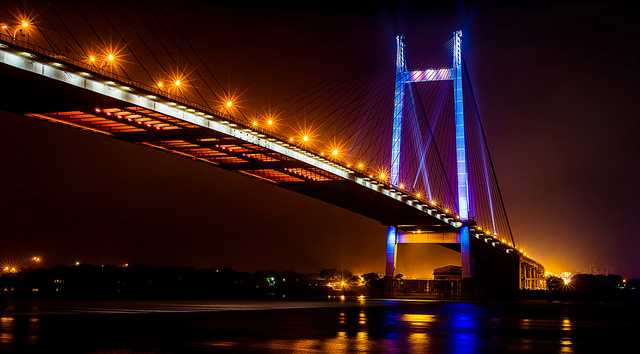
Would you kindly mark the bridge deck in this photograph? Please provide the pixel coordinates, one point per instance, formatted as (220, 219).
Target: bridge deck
(57, 91)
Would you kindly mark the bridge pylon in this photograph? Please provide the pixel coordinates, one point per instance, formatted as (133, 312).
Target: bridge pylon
(403, 77)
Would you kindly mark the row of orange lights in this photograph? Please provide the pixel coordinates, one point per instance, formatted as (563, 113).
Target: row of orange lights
(37, 260)
(12, 268)
(109, 57)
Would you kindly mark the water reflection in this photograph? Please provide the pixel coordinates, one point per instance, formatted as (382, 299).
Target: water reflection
(342, 319)
(566, 343)
(419, 320)
(363, 318)
(418, 342)
(453, 329)
(564, 325)
(34, 329)
(464, 322)
(6, 329)
(566, 349)
(337, 344)
(465, 343)
(395, 328)
(6, 338)
(362, 341)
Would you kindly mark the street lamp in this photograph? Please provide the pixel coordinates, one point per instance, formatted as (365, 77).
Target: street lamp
(23, 26)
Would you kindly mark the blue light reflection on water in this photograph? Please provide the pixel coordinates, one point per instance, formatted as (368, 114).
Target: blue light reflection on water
(464, 322)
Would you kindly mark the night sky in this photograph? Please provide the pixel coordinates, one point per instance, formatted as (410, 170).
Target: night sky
(555, 87)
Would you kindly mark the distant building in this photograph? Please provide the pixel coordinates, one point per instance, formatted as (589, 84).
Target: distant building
(448, 272)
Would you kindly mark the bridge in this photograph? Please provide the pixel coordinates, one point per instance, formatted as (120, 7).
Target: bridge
(75, 92)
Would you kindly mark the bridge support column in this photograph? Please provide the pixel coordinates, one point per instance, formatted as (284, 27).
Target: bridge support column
(465, 252)
(392, 251)
(468, 286)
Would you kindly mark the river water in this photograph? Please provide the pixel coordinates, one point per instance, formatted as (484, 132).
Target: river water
(317, 327)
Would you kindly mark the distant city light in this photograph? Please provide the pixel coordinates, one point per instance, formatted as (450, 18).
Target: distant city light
(566, 277)
(77, 263)
(10, 269)
(36, 259)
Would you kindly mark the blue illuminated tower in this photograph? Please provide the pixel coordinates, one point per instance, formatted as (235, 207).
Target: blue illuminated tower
(398, 103)
(461, 150)
(404, 77)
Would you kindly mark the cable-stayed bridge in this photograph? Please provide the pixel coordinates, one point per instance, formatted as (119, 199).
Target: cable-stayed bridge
(440, 186)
